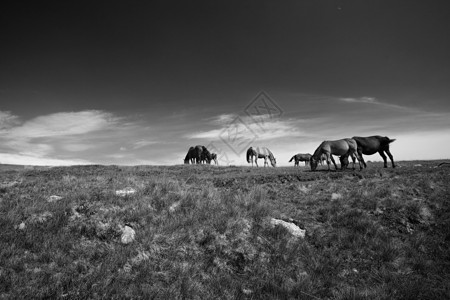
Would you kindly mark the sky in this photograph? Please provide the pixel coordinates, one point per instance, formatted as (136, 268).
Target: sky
(133, 82)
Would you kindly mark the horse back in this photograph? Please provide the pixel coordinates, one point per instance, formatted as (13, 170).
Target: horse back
(372, 144)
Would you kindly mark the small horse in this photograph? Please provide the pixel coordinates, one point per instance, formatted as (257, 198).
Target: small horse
(194, 154)
(339, 147)
(261, 152)
(206, 156)
(373, 144)
(301, 157)
(214, 158)
(190, 156)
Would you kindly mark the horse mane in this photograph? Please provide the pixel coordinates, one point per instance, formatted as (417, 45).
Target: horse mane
(249, 152)
(318, 153)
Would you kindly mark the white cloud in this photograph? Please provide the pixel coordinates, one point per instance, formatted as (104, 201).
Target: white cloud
(264, 127)
(7, 120)
(361, 100)
(44, 137)
(24, 159)
(77, 147)
(143, 143)
(63, 124)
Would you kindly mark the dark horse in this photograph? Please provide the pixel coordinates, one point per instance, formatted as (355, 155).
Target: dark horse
(301, 157)
(196, 154)
(373, 144)
(214, 158)
(206, 156)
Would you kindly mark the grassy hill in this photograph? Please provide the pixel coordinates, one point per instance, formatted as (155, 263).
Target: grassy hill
(204, 232)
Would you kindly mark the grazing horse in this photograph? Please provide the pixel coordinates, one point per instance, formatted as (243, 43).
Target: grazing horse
(190, 156)
(261, 152)
(206, 156)
(373, 144)
(194, 154)
(214, 158)
(301, 157)
(339, 147)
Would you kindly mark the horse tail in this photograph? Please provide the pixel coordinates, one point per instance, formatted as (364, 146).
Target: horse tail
(249, 152)
(292, 158)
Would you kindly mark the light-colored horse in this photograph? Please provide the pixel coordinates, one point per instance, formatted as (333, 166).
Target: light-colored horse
(338, 147)
(261, 152)
(301, 157)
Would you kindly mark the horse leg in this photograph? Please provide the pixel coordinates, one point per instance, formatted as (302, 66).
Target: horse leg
(391, 157)
(328, 161)
(256, 161)
(334, 163)
(361, 158)
(384, 158)
(353, 159)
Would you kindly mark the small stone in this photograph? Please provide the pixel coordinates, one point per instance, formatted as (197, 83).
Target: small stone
(54, 198)
(22, 226)
(174, 206)
(336, 196)
(128, 235)
(292, 228)
(125, 192)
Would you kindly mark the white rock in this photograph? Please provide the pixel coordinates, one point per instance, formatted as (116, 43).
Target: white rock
(336, 196)
(54, 198)
(291, 227)
(417, 165)
(174, 206)
(22, 226)
(125, 192)
(128, 235)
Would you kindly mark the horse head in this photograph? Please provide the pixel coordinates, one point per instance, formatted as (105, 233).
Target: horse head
(313, 163)
(273, 161)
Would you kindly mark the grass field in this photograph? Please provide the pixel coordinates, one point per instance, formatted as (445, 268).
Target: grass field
(204, 232)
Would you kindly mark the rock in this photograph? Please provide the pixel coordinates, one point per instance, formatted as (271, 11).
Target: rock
(128, 235)
(22, 226)
(125, 192)
(54, 198)
(174, 206)
(41, 218)
(292, 228)
(336, 196)
(417, 165)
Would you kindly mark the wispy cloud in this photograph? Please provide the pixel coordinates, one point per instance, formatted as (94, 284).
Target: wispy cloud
(263, 128)
(360, 100)
(63, 124)
(44, 138)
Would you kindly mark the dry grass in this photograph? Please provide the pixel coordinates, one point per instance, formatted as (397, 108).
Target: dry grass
(202, 232)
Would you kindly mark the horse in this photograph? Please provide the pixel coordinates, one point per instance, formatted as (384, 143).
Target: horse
(261, 152)
(338, 147)
(206, 156)
(194, 154)
(373, 144)
(301, 157)
(214, 157)
(190, 156)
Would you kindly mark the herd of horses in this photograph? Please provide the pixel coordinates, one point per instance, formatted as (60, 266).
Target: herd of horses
(353, 147)
(200, 154)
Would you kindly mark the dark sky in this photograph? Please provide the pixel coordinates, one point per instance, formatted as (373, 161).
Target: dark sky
(201, 59)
